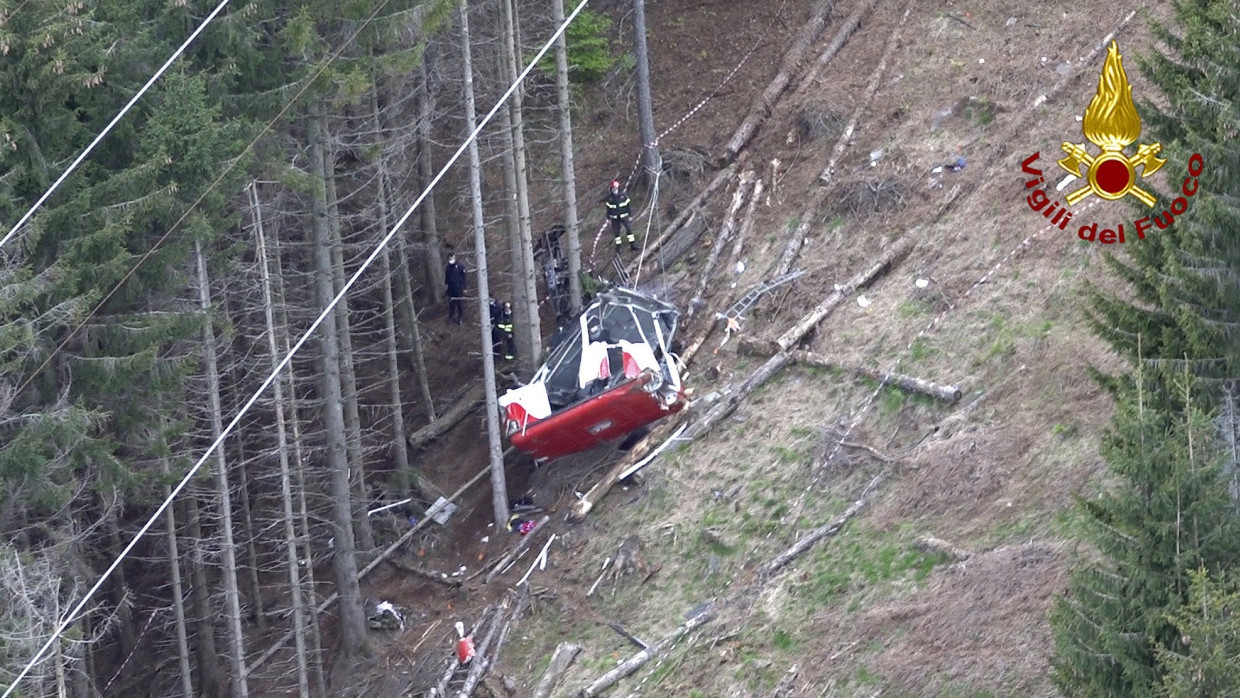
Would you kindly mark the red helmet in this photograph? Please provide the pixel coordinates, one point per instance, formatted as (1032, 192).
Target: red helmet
(615, 184)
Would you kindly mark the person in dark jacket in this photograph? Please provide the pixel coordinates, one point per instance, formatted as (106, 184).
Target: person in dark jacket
(618, 205)
(495, 310)
(454, 279)
(505, 328)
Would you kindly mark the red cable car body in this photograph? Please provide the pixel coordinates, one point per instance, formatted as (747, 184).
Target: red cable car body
(610, 374)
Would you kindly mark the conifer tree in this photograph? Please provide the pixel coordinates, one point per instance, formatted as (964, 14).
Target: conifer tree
(1166, 516)
(1209, 628)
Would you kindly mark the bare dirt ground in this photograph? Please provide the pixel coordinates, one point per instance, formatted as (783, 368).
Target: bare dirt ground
(867, 612)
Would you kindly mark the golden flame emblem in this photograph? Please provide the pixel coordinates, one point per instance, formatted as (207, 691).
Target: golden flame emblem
(1111, 123)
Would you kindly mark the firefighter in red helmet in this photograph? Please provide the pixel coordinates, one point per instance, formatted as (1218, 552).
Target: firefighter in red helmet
(618, 205)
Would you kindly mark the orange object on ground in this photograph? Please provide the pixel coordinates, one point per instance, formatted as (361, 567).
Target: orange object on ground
(465, 649)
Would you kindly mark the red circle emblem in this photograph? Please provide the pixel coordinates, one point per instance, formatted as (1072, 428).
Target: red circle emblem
(1112, 176)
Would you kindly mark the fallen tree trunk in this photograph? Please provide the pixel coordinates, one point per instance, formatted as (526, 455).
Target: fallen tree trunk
(516, 550)
(895, 253)
(875, 78)
(808, 540)
(747, 225)
(723, 177)
(565, 654)
(682, 241)
(793, 59)
(484, 661)
(600, 489)
(387, 552)
(947, 393)
(841, 37)
(471, 400)
(725, 407)
(635, 662)
(721, 241)
(431, 576)
(797, 239)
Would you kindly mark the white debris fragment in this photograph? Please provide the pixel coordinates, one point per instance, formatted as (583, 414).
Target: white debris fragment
(486, 539)
(740, 267)
(937, 170)
(863, 301)
(1039, 100)
(1079, 118)
(981, 60)
(839, 287)
(922, 283)
(1064, 182)
(875, 155)
(1010, 23)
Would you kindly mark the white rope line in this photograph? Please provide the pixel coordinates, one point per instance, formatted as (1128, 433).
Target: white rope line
(952, 306)
(289, 356)
(115, 120)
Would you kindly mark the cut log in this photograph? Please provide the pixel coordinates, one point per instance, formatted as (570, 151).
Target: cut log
(841, 37)
(628, 636)
(721, 241)
(565, 654)
(947, 393)
(516, 550)
(792, 62)
(466, 404)
(488, 657)
(632, 664)
(639, 451)
(796, 240)
(384, 555)
(681, 241)
(725, 407)
(875, 79)
(893, 255)
(747, 224)
(722, 178)
(808, 540)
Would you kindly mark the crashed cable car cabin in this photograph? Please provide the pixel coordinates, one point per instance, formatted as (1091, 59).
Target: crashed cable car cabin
(608, 376)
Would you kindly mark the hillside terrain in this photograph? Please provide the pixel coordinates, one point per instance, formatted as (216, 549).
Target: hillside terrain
(940, 586)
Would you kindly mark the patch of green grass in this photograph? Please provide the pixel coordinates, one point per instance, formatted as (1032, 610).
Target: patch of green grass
(890, 401)
(980, 111)
(1066, 431)
(909, 308)
(921, 349)
(789, 456)
(784, 641)
(863, 559)
(802, 432)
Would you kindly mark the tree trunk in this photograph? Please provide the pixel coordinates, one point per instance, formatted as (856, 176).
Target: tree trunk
(721, 241)
(348, 377)
(645, 107)
(426, 172)
(232, 601)
(399, 447)
(567, 169)
(286, 493)
(532, 327)
(499, 487)
(210, 679)
(303, 517)
(344, 558)
(512, 226)
(178, 594)
(564, 655)
(251, 541)
(409, 339)
(120, 586)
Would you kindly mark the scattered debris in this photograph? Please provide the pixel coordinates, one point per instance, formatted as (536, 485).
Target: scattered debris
(1065, 182)
(1011, 22)
(921, 283)
(863, 301)
(635, 662)
(464, 644)
(440, 511)
(385, 616)
(875, 156)
(628, 636)
(958, 165)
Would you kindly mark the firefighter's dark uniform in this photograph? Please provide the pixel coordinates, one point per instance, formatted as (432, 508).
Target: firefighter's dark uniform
(618, 213)
(505, 329)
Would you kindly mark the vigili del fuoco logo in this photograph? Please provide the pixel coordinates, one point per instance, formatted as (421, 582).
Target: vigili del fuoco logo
(1111, 123)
